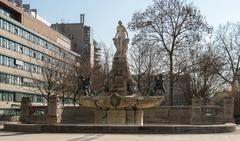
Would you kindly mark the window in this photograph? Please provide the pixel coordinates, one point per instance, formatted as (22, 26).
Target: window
(15, 30)
(34, 54)
(20, 48)
(28, 36)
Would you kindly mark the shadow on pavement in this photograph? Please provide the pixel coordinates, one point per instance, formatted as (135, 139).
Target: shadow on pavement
(4, 133)
(7, 134)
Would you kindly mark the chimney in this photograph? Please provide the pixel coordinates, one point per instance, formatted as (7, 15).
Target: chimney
(34, 12)
(82, 18)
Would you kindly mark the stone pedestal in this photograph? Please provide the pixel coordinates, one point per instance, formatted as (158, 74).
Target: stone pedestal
(139, 117)
(116, 117)
(130, 117)
(26, 103)
(196, 111)
(119, 117)
(119, 75)
(101, 117)
(54, 112)
(228, 109)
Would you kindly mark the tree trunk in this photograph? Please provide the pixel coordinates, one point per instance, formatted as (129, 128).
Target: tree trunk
(171, 80)
(63, 99)
(74, 100)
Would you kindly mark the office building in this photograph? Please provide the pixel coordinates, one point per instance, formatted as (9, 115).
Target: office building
(26, 41)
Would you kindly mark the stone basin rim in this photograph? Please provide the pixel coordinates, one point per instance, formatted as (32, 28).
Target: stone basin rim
(123, 102)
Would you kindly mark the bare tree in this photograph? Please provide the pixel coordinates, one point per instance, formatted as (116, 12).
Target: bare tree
(77, 72)
(51, 82)
(204, 77)
(145, 62)
(174, 25)
(228, 44)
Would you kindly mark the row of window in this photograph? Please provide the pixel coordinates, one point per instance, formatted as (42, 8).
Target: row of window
(16, 97)
(31, 37)
(14, 46)
(6, 96)
(15, 80)
(14, 63)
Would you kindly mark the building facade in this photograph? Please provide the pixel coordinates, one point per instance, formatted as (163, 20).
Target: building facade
(81, 37)
(26, 41)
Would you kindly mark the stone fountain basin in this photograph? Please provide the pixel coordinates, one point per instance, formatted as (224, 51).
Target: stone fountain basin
(116, 101)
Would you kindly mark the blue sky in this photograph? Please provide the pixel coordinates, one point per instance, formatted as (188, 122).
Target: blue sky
(103, 15)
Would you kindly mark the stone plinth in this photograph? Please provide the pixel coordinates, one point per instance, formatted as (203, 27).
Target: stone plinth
(54, 111)
(25, 109)
(139, 117)
(196, 111)
(119, 76)
(101, 117)
(130, 117)
(116, 117)
(228, 109)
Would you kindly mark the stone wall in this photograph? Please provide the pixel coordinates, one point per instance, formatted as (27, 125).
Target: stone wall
(195, 114)
(168, 115)
(159, 115)
(78, 115)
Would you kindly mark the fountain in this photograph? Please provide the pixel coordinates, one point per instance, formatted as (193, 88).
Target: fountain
(120, 106)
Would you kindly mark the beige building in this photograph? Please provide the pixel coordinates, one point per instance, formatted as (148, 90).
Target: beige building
(81, 37)
(26, 40)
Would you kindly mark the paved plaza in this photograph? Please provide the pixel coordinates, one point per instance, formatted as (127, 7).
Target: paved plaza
(14, 136)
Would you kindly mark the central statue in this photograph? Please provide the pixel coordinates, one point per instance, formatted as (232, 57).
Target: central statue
(121, 40)
(121, 80)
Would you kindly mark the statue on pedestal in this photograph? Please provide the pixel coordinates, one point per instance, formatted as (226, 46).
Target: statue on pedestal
(121, 40)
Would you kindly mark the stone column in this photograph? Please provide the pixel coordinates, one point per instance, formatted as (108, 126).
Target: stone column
(228, 109)
(26, 104)
(54, 112)
(139, 117)
(116, 117)
(196, 111)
